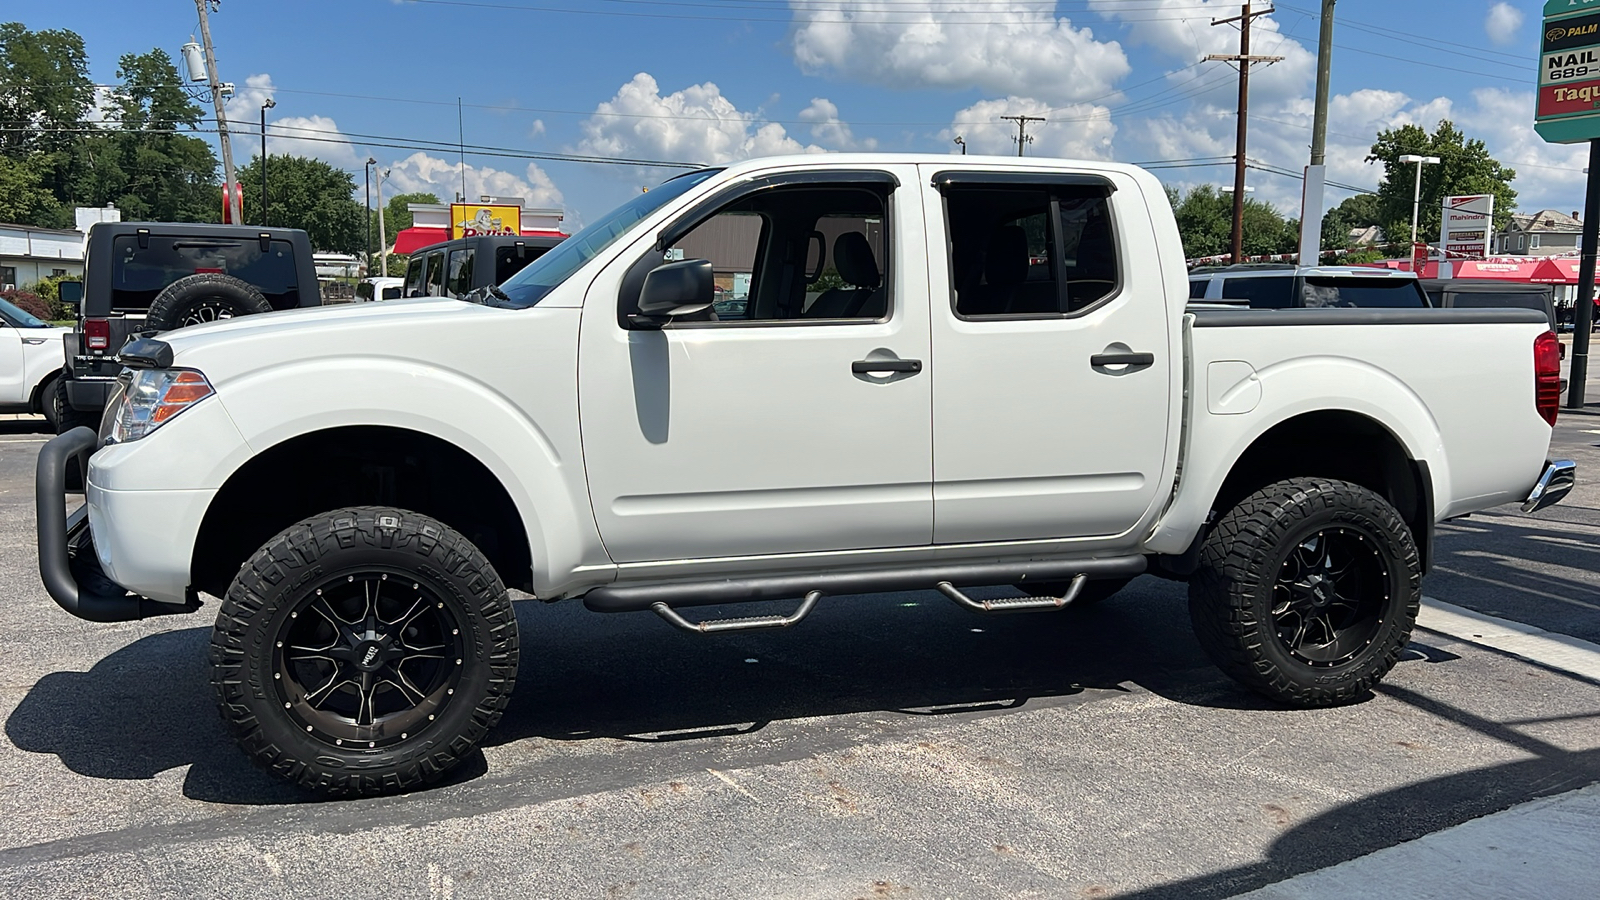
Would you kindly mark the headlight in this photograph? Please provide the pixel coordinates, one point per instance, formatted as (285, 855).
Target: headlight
(153, 397)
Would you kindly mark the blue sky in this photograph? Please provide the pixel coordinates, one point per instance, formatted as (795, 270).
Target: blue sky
(710, 81)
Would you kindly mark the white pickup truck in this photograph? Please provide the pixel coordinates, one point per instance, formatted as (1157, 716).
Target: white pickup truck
(787, 378)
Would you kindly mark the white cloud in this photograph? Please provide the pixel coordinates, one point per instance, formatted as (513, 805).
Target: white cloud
(1502, 23)
(1549, 176)
(421, 173)
(827, 128)
(1078, 131)
(245, 104)
(314, 136)
(102, 107)
(1008, 46)
(697, 125)
(1182, 30)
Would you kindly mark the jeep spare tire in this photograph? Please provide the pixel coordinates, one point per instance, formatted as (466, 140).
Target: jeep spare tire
(205, 297)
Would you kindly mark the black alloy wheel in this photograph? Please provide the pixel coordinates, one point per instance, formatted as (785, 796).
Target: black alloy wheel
(207, 309)
(369, 659)
(1330, 595)
(364, 651)
(1307, 591)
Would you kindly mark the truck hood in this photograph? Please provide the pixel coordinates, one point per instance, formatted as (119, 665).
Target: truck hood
(225, 347)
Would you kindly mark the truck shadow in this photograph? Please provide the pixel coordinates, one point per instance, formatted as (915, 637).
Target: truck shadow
(148, 707)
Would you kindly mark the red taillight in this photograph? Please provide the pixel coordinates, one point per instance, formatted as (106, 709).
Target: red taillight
(1547, 376)
(97, 334)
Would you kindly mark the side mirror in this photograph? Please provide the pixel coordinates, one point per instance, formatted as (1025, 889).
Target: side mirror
(675, 289)
(71, 293)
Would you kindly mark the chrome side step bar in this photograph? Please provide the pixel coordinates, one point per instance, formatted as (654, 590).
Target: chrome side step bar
(1014, 604)
(676, 594)
(752, 623)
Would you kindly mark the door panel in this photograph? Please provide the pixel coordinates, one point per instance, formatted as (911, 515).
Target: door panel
(745, 437)
(1034, 439)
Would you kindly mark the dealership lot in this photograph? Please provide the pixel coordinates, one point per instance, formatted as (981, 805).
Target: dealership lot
(890, 746)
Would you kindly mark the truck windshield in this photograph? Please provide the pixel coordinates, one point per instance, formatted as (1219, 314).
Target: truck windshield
(529, 286)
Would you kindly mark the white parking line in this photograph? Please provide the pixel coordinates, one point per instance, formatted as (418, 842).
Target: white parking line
(1555, 651)
(23, 440)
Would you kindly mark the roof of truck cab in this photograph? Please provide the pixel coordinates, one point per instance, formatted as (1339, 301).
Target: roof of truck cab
(945, 160)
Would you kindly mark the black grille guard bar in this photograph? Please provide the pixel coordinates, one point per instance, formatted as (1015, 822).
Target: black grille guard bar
(75, 581)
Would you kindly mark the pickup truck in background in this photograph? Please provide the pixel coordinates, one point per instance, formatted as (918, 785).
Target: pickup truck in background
(947, 372)
(143, 278)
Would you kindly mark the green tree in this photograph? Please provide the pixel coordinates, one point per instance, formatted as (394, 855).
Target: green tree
(1359, 211)
(309, 194)
(44, 89)
(396, 217)
(1205, 221)
(145, 167)
(23, 196)
(1465, 167)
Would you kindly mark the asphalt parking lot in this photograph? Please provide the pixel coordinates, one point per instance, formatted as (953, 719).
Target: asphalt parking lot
(891, 746)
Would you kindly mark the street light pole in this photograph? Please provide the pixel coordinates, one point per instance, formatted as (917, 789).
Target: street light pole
(383, 233)
(264, 107)
(1416, 194)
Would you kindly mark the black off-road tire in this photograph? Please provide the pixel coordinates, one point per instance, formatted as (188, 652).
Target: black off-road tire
(65, 417)
(1253, 575)
(1093, 591)
(205, 297)
(454, 597)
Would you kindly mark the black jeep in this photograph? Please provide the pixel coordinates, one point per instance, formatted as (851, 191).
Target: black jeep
(458, 267)
(140, 278)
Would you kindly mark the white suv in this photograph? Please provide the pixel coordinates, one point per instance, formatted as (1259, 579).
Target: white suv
(1274, 286)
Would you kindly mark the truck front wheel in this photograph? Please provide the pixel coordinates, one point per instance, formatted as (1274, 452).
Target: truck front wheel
(1307, 591)
(364, 651)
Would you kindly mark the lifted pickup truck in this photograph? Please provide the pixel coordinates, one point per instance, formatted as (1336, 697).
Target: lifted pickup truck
(948, 372)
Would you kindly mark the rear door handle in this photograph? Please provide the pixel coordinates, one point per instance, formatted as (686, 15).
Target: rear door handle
(1122, 359)
(869, 366)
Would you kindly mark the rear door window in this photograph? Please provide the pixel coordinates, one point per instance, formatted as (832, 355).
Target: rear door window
(391, 293)
(1273, 292)
(458, 279)
(1370, 293)
(414, 282)
(140, 273)
(1197, 289)
(435, 277)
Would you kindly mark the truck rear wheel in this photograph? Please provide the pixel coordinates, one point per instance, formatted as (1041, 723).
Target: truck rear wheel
(1307, 591)
(364, 651)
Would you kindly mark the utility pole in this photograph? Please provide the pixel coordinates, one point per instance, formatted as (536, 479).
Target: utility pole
(1316, 174)
(235, 212)
(1023, 137)
(1244, 59)
(383, 236)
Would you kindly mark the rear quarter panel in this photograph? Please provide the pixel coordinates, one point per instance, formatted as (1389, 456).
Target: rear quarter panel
(1458, 396)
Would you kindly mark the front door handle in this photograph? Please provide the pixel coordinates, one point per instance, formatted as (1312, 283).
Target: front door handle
(1122, 359)
(869, 366)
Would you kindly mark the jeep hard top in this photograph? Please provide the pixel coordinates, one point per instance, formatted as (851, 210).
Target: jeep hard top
(458, 267)
(141, 278)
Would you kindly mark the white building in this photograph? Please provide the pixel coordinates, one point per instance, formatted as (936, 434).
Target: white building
(28, 254)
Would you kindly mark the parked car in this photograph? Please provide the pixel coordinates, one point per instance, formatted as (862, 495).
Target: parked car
(30, 362)
(946, 413)
(379, 288)
(1478, 293)
(452, 268)
(143, 278)
(1273, 286)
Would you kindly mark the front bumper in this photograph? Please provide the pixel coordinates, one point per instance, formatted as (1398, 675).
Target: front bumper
(1554, 483)
(68, 563)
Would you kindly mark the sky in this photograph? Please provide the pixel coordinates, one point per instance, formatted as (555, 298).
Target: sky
(712, 81)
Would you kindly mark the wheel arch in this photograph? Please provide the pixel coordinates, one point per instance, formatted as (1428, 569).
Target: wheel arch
(359, 465)
(1341, 444)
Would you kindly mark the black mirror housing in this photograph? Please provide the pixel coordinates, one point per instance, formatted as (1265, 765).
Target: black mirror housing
(70, 292)
(677, 289)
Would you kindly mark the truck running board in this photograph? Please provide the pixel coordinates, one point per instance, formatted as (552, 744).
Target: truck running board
(678, 594)
(1014, 604)
(752, 623)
